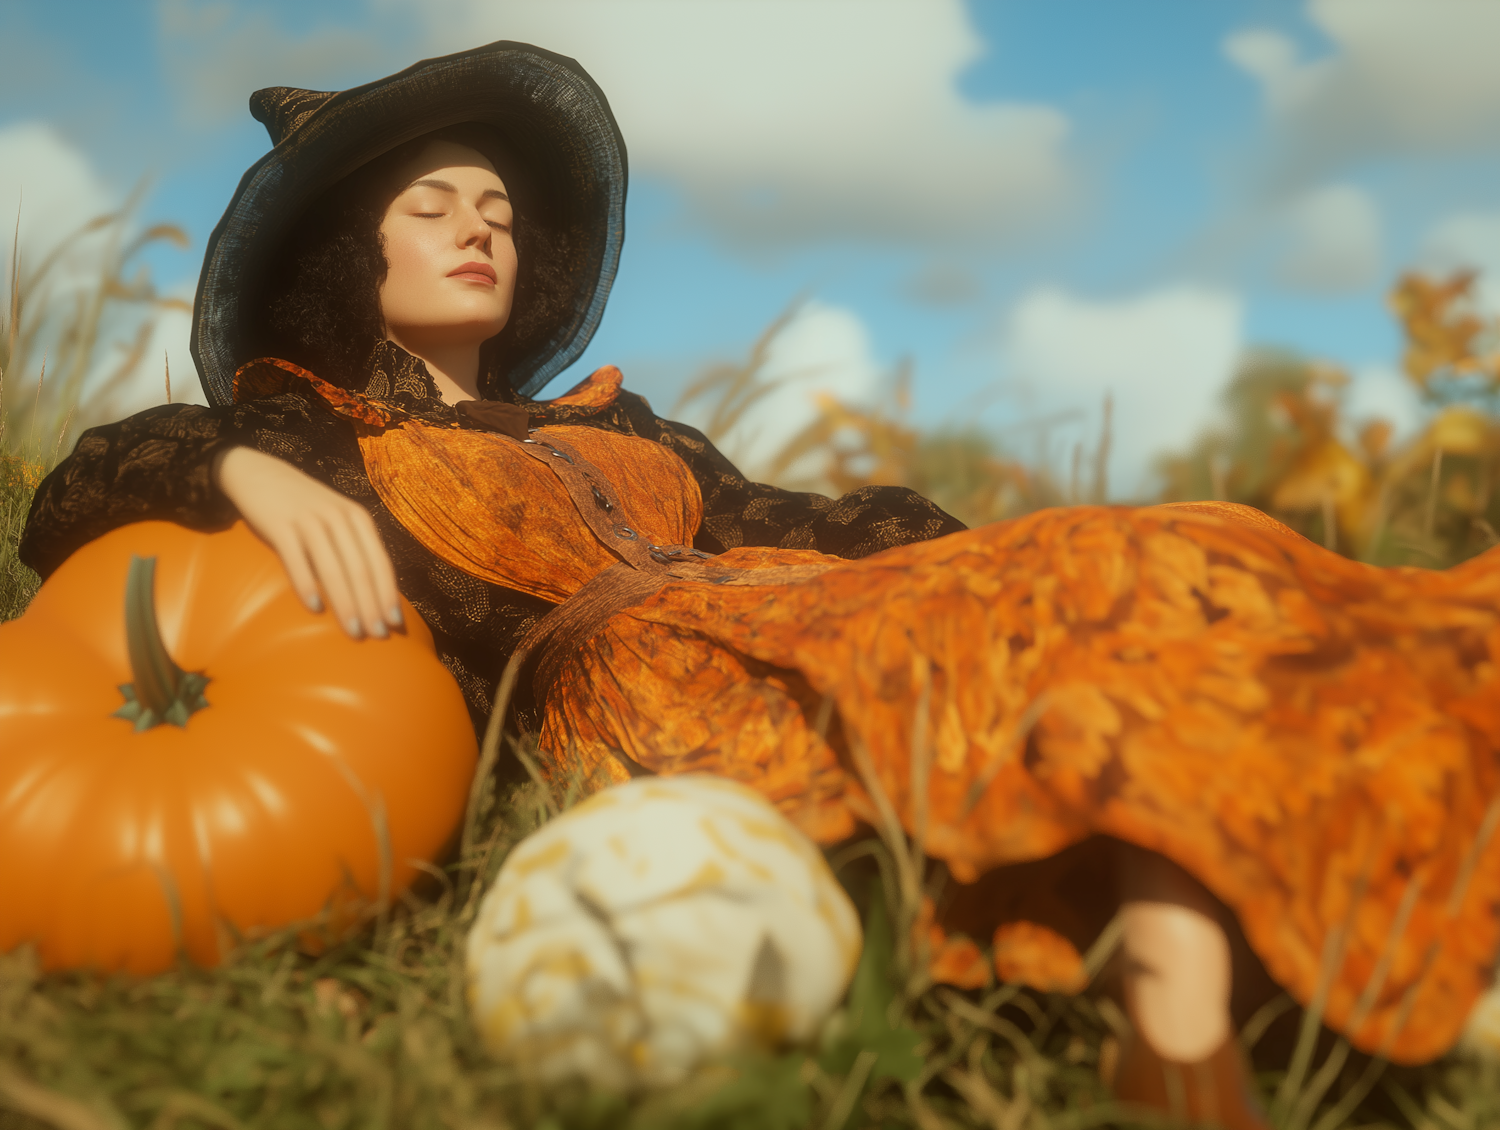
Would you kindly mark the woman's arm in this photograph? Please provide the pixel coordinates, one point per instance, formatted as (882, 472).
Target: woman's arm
(201, 468)
(327, 542)
(738, 512)
(157, 464)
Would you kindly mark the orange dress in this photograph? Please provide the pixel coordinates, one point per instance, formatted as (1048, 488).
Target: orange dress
(1314, 739)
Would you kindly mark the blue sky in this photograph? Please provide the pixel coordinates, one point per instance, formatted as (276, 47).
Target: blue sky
(1037, 201)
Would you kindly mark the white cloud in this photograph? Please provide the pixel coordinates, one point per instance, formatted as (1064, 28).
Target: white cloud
(56, 191)
(784, 119)
(51, 187)
(167, 352)
(1335, 240)
(1404, 76)
(218, 54)
(1270, 57)
(1164, 357)
(823, 349)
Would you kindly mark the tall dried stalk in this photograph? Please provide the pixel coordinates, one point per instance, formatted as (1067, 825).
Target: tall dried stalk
(846, 446)
(67, 325)
(54, 374)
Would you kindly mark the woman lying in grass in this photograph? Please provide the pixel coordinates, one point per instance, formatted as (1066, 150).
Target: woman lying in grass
(1189, 715)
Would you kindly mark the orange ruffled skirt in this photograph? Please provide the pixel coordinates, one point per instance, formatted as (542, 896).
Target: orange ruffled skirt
(1314, 739)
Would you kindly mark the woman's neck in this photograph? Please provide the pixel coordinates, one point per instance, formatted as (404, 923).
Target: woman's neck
(454, 368)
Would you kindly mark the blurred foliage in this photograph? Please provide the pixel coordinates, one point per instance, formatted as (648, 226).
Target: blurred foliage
(1289, 450)
(66, 340)
(76, 327)
(18, 482)
(964, 469)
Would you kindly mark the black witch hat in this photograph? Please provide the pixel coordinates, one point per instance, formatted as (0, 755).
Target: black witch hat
(548, 112)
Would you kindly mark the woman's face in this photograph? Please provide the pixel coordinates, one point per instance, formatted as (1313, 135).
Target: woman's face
(452, 272)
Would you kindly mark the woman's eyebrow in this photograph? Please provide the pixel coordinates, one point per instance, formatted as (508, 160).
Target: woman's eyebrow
(444, 186)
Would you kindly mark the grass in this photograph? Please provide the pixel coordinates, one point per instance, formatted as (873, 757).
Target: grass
(67, 340)
(18, 584)
(374, 1032)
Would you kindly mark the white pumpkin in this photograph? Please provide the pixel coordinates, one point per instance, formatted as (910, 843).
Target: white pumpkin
(659, 922)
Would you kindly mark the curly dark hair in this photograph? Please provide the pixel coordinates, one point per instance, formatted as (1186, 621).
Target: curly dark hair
(322, 296)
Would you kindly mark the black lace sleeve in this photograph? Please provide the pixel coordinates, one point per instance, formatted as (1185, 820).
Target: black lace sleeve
(154, 465)
(158, 464)
(738, 512)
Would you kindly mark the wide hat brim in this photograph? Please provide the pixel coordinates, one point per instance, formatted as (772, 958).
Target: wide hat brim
(552, 117)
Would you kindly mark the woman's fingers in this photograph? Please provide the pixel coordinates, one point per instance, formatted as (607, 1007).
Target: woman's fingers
(293, 553)
(327, 543)
(382, 572)
(360, 572)
(333, 576)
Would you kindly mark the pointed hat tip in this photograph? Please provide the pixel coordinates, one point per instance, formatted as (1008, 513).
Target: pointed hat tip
(281, 109)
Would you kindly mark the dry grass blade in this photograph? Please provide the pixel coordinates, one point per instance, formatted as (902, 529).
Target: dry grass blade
(732, 390)
(1312, 1094)
(921, 752)
(1104, 947)
(848, 1094)
(13, 321)
(1264, 1017)
(1006, 749)
(182, 1105)
(984, 1018)
(51, 309)
(489, 752)
(49, 1107)
(1465, 876)
(1334, 948)
(1101, 455)
(908, 867)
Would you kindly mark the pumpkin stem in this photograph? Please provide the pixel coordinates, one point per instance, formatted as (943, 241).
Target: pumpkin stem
(162, 691)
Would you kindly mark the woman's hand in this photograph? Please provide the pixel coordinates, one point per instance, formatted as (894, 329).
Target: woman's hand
(328, 544)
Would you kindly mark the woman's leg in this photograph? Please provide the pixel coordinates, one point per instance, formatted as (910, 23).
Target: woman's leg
(1178, 974)
(1177, 965)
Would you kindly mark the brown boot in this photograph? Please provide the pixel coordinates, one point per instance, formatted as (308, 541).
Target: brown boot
(1216, 1091)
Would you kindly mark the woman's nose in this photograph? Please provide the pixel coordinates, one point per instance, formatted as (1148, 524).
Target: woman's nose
(474, 231)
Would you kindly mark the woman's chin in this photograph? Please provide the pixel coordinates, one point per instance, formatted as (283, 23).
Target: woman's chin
(454, 328)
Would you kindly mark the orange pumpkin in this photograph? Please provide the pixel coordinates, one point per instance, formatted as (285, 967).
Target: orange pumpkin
(241, 767)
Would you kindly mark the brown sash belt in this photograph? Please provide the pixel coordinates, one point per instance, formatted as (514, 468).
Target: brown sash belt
(642, 570)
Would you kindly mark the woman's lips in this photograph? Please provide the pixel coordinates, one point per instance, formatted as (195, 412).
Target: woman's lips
(474, 272)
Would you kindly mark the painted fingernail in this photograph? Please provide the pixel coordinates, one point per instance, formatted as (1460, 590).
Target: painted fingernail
(379, 630)
(352, 626)
(393, 616)
(314, 602)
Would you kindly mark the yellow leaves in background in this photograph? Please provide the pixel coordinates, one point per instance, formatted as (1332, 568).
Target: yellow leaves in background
(1288, 448)
(16, 472)
(1445, 335)
(1291, 452)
